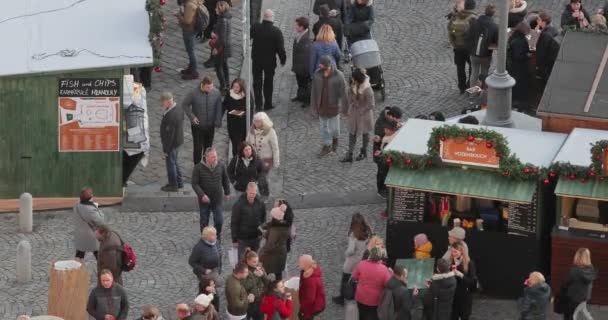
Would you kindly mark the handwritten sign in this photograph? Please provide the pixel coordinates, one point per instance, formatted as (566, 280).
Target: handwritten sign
(89, 115)
(475, 153)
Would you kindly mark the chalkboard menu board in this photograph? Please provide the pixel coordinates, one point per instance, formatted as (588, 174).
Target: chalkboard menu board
(408, 206)
(522, 217)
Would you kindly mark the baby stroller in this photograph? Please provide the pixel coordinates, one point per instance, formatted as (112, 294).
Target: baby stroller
(365, 54)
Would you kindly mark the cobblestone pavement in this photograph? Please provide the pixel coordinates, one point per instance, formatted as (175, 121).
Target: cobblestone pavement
(162, 242)
(419, 74)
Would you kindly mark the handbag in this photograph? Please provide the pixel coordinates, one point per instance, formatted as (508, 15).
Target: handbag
(349, 289)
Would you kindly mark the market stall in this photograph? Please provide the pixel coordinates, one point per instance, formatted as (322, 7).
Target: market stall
(493, 181)
(582, 207)
(582, 103)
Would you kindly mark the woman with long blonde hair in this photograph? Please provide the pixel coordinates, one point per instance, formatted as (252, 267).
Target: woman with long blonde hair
(325, 45)
(466, 282)
(576, 287)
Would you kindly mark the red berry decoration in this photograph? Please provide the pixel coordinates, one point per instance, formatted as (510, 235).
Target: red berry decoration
(163, 2)
(592, 174)
(430, 162)
(526, 170)
(157, 69)
(408, 161)
(598, 156)
(164, 19)
(489, 145)
(602, 178)
(506, 173)
(565, 178)
(497, 155)
(442, 138)
(389, 160)
(470, 138)
(582, 180)
(436, 148)
(572, 177)
(546, 181)
(552, 174)
(160, 44)
(535, 170)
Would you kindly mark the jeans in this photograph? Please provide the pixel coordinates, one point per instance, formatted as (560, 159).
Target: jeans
(263, 76)
(174, 174)
(479, 65)
(189, 44)
(253, 244)
(218, 218)
(461, 58)
(303, 81)
(221, 70)
(329, 129)
(367, 312)
(202, 138)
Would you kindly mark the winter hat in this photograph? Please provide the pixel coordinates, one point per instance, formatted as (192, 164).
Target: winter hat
(469, 5)
(458, 233)
(203, 299)
(420, 239)
(325, 61)
(279, 212)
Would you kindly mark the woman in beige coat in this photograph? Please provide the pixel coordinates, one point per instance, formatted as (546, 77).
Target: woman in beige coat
(360, 115)
(264, 140)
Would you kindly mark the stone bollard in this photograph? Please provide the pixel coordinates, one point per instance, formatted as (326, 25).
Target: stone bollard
(24, 261)
(25, 213)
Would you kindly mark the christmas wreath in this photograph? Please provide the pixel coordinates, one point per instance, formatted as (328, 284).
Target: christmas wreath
(155, 14)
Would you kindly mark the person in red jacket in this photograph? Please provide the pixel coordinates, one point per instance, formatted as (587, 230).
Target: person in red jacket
(311, 293)
(276, 300)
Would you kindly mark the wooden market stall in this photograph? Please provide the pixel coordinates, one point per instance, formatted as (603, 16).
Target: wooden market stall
(61, 88)
(582, 207)
(576, 95)
(492, 179)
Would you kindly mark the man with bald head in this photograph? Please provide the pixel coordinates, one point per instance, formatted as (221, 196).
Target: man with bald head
(311, 293)
(267, 44)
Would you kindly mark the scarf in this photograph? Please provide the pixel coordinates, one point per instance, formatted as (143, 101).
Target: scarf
(211, 243)
(236, 96)
(246, 161)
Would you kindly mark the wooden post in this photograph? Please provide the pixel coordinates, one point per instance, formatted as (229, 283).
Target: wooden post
(68, 292)
(25, 213)
(24, 261)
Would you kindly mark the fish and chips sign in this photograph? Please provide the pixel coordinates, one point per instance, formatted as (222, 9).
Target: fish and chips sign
(473, 153)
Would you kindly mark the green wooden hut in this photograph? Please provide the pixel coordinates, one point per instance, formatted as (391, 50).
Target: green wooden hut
(61, 95)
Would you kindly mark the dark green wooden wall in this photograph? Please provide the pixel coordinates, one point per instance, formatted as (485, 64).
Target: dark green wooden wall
(29, 155)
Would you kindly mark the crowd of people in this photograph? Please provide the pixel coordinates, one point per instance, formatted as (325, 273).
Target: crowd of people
(370, 288)
(474, 36)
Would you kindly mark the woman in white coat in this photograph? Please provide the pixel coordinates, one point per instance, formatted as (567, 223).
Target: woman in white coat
(264, 140)
(87, 217)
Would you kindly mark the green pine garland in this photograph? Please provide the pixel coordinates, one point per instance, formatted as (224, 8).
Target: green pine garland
(156, 25)
(509, 164)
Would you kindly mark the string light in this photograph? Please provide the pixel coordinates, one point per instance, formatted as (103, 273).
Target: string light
(75, 3)
(71, 53)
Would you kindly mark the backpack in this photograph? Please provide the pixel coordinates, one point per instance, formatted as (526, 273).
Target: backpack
(201, 21)
(386, 307)
(128, 257)
(458, 28)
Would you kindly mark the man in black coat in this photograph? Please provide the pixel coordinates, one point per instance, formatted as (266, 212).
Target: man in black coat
(333, 22)
(171, 137)
(482, 35)
(301, 60)
(547, 46)
(267, 44)
(212, 186)
(403, 299)
(248, 214)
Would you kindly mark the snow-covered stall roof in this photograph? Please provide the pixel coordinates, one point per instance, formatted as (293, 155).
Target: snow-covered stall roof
(40, 35)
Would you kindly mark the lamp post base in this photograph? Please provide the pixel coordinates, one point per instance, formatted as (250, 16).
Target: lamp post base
(499, 100)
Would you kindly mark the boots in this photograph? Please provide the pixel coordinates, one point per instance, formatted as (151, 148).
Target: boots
(362, 155)
(334, 145)
(348, 157)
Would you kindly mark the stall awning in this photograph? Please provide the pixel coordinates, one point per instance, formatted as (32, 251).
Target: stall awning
(589, 190)
(471, 183)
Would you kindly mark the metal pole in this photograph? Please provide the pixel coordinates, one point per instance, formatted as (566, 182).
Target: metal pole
(500, 82)
(247, 58)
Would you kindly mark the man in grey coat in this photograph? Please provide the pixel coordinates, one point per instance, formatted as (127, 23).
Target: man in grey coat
(87, 217)
(203, 106)
(328, 98)
(301, 60)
